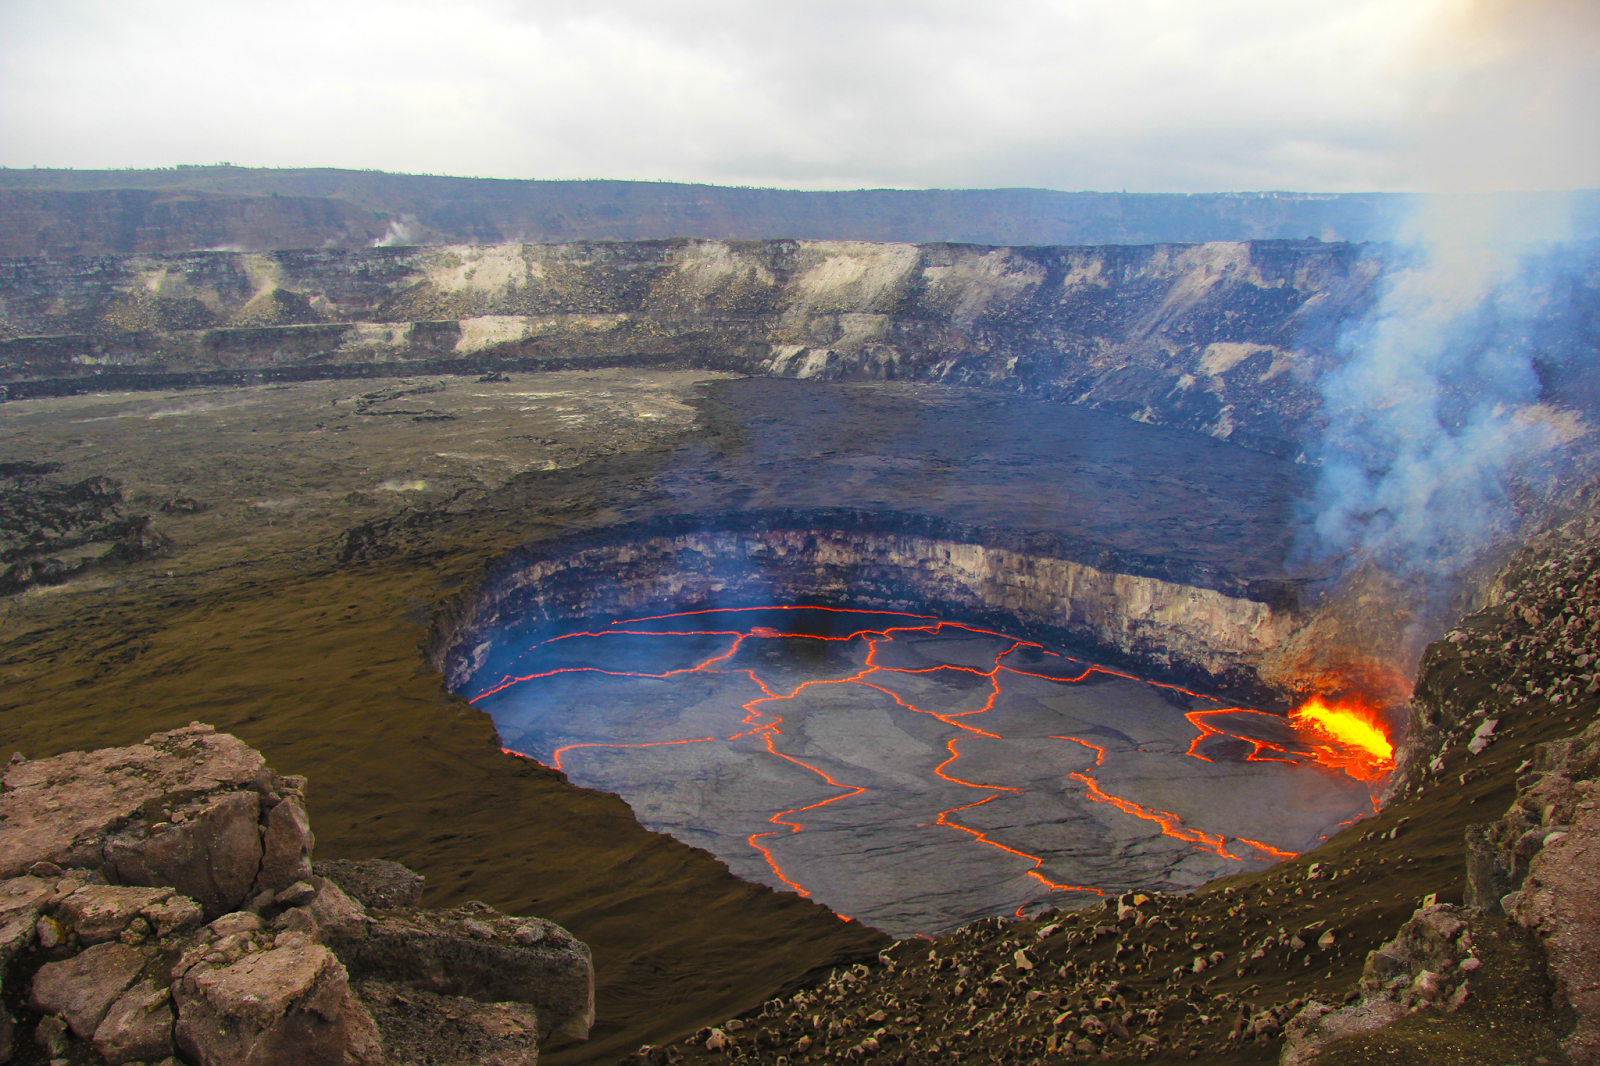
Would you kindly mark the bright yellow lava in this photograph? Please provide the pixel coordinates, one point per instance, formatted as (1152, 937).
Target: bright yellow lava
(1350, 725)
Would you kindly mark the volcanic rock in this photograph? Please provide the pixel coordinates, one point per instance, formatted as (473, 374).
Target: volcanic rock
(374, 883)
(109, 810)
(22, 900)
(290, 1006)
(286, 844)
(1420, 967)
(212, 857)
(438, 952)
(466, 986)
(1536, 864)
(421, 1026)
(103, 912)
(138, 1027)
(1559, 898)
(334, 913)
(1318, 1025)
(83, 988)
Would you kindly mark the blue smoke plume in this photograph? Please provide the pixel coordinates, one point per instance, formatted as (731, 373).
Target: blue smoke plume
(1436, 409)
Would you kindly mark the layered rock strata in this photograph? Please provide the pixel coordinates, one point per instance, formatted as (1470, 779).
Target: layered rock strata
(1178, 629)
(158, 902)
(1225, 338)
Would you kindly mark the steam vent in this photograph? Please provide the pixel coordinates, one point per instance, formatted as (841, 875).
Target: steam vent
(789, 651)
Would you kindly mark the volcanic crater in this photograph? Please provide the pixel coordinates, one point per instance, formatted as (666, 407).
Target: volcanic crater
(913, 721)
(938, 651)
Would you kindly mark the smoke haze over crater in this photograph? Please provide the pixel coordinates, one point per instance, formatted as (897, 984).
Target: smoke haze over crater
(1433, 410)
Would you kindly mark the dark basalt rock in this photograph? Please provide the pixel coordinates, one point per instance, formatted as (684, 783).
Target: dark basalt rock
(50, 530)
(374, 883)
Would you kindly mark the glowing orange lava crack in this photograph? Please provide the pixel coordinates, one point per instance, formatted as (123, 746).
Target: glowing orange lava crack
(982, 837)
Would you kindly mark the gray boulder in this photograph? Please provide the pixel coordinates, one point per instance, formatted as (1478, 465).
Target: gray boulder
(419, 1026)
(473, 952)
(374, 883)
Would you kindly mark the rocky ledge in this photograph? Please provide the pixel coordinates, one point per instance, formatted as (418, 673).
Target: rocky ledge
(159, 904)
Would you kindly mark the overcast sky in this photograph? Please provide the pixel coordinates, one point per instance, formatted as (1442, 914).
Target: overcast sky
(1144, 95)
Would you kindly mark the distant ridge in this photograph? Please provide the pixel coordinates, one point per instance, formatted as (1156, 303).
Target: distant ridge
(89, 212)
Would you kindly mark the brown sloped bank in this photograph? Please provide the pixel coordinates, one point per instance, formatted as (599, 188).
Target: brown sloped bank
(322, 675)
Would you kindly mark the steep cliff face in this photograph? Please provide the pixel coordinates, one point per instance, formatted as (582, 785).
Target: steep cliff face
(1228, 339)
(1178, 630)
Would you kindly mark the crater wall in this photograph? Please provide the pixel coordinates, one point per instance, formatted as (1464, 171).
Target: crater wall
(1197, 634)
(1224, 338)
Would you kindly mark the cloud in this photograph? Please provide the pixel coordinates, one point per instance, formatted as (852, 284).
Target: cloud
(1182, 95)
(1518, 104)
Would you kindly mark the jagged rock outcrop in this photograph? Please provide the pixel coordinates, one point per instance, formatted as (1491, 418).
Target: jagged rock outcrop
(1537, 866)
(113, 859)
(1428, 965)
(183, 810)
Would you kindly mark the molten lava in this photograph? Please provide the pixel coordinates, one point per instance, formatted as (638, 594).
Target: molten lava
(1344, 737)
(1360, 744)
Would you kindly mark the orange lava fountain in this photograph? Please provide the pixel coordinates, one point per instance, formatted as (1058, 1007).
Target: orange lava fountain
(1347, 735)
